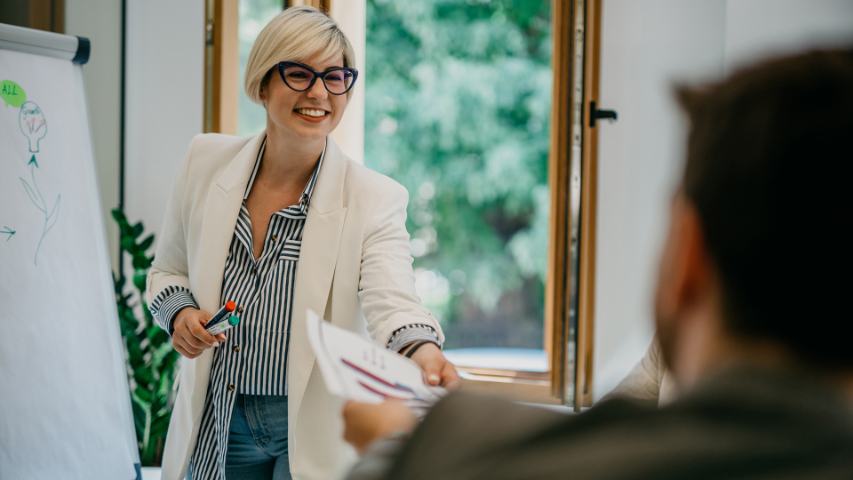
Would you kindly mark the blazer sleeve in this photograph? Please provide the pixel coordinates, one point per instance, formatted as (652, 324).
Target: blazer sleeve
(387, 282)
(645, 380)
(168, 286)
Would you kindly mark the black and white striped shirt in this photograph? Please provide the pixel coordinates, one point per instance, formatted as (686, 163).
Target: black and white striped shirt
(253, 360)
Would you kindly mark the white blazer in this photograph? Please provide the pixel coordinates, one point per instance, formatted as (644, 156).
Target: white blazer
(355, 267)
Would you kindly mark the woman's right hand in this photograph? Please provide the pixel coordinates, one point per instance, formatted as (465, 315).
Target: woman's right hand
(189, 336)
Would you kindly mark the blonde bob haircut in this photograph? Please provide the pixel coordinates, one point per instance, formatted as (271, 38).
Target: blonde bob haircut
(295, 34)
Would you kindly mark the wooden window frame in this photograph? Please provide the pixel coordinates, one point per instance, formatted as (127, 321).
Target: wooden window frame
(588, 207)
(221, 66)
(572, 167)
(47, 15)
(572, 177)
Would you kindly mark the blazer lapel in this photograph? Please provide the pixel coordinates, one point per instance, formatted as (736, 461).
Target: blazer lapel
(217, 228)
(316, 266)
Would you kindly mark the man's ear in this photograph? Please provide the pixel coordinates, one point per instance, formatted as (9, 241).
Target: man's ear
(693, 264)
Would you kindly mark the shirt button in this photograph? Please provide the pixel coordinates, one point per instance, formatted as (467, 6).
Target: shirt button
(235, 348)
(274, 238)
(231, 387)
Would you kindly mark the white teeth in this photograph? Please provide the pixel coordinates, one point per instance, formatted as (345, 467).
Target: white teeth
(311, 112)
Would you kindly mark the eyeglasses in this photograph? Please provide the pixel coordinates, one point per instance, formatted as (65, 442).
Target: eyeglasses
(301, 77)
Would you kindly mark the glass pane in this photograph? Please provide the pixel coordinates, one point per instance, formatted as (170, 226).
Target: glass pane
(254, 14)
(458, 110)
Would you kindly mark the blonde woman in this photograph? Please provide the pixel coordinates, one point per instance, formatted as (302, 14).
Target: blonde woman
(281, 223)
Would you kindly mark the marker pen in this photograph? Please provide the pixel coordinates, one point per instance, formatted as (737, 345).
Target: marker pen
(222, 326)
(222, 314)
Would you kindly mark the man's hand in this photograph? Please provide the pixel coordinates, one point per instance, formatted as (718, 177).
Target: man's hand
(365, 423)
(189, 336)
(436, 367)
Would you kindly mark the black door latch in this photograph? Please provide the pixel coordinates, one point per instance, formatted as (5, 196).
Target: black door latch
(596, 113)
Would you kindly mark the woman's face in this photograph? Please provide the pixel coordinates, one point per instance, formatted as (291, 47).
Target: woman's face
(311, 114)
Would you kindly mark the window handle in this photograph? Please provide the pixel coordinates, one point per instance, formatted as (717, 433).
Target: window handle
(595, 114)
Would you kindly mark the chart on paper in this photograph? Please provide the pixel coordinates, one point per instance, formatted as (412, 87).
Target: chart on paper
(357, 369)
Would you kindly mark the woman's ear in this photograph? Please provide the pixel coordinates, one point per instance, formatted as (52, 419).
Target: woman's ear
(263, 94)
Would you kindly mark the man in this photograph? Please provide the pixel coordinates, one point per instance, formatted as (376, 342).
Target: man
(750, 313)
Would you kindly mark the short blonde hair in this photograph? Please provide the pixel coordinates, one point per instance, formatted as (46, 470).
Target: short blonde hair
(297, 33)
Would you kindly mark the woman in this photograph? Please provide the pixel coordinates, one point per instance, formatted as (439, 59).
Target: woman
(281, 223)
(649, 380)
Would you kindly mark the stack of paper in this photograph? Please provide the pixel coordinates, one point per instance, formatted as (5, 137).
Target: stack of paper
(357, 369)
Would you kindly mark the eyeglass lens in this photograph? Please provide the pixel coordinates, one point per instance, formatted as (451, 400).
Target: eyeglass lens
(299, 79)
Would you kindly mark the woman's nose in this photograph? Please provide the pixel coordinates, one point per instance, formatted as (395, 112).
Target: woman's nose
(318, 90)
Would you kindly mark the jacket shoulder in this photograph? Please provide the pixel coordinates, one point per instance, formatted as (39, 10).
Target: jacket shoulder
(214, 149)
(382, 188)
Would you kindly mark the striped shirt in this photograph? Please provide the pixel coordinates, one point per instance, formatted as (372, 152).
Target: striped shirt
(253, 360)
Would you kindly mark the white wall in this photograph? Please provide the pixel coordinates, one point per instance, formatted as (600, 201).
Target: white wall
(757, 28)
(165, 91)
(101, 23)
(351, 16)
(646, 45)
(164, 98)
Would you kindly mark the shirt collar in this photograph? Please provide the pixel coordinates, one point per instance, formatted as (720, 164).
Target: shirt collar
(305, 198)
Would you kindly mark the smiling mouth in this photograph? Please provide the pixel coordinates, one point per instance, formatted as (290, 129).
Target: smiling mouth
(311, 112)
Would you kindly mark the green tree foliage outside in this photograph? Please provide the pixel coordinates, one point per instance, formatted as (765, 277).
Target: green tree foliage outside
(458, 110)
(254, 15)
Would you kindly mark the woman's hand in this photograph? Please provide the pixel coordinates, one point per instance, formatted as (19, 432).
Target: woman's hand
(436, 367)
(189, 336)
(365, 423)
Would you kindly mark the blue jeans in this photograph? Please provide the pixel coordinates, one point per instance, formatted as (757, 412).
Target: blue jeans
(257, 439)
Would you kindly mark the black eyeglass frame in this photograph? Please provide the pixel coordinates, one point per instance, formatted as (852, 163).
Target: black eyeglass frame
(315, 75)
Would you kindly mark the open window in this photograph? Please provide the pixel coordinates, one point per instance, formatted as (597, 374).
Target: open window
(478, 109)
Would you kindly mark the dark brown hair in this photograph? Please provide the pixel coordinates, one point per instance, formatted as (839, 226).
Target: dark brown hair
(768, 162)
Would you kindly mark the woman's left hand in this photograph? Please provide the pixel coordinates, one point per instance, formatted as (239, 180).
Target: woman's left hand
(436, 367)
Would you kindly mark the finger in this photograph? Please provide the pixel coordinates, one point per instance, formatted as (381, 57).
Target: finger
(184, 336)
(191, 350)
(450, 377)
(183, 351)
(178, 345)
(432, 373)
(221, 337)
(200, 334)
(190, 341)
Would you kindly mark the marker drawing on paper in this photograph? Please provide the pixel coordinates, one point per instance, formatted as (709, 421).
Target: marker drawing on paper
(33, 125)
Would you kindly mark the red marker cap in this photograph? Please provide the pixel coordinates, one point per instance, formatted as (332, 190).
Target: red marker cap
(230, 305)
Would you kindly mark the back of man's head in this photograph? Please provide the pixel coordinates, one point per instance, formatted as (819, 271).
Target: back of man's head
(768, 157)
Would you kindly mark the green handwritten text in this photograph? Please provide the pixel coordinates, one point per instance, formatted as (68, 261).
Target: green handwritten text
(12, 93)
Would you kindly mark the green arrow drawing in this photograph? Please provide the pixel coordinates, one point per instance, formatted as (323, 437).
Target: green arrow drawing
(33, 161)
(7, 231)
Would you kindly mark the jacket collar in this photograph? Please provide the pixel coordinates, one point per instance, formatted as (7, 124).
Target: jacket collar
(327, 185)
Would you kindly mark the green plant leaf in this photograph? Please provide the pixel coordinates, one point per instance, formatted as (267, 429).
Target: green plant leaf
(139, 279)
(146, 243)
(144, 395)
(137, 230)
(150, 357)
